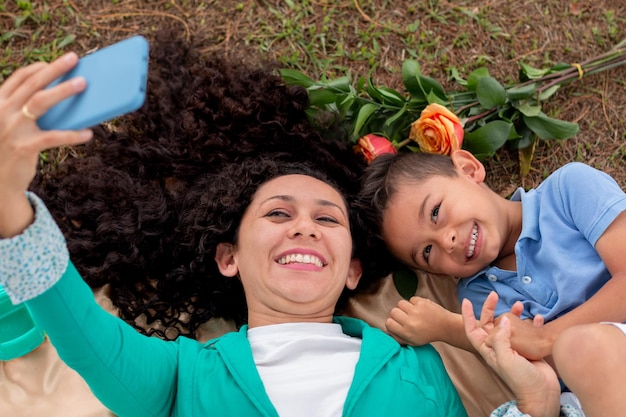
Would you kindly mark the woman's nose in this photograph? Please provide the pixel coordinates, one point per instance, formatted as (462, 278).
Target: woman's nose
(304, 227)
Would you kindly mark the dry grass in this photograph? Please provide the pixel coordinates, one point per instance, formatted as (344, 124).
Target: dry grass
(334, 36)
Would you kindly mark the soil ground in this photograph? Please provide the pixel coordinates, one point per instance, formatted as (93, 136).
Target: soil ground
(359, 35)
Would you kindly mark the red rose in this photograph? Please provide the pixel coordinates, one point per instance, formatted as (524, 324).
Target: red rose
(370, 146)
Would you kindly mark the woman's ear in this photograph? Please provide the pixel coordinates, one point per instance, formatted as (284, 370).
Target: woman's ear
(354, 274)
(225, 258)
(467, 165)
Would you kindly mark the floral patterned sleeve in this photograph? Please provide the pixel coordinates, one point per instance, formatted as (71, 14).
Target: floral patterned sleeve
(510, 409)
(35, 260)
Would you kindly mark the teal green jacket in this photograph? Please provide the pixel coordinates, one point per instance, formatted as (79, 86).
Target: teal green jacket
(139, 376)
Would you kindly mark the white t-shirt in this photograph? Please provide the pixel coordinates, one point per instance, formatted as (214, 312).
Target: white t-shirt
(306, 368)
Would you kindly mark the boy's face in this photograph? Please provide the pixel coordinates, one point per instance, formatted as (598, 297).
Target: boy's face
(447, 225)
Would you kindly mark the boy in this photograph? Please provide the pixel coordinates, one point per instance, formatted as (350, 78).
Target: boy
(554, 252)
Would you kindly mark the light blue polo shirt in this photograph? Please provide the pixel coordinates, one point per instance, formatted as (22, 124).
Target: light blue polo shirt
(558, 267)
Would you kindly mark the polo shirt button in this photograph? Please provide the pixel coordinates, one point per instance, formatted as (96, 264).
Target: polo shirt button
(492, 277)
(526, 279)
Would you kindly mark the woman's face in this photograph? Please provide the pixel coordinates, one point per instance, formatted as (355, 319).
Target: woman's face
(294, 251)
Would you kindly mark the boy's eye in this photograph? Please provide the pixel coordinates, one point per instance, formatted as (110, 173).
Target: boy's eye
(426, 252)
(435, 213)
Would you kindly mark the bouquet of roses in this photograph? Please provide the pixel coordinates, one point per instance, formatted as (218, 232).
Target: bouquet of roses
(481, 117)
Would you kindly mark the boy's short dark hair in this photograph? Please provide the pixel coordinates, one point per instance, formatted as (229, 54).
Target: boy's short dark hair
(383, 176)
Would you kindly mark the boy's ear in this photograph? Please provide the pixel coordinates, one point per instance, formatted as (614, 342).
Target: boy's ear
(467, 164)
(225, 258)
(354, 274)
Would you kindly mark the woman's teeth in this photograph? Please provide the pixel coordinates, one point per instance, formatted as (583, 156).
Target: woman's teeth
(300, 259)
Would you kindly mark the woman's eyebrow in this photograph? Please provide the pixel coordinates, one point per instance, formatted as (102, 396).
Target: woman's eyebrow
(323, 202)
(280, 197)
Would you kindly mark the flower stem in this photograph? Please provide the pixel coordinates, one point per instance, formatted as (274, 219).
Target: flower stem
(480, 115)
(403, 143)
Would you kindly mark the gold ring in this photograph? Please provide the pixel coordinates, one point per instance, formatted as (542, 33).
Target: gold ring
(27, 113)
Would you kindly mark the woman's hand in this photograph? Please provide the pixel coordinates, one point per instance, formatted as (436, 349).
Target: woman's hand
(534, 383)
(23, 98)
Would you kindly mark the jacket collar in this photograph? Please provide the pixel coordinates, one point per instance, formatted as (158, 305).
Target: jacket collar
(376, 349)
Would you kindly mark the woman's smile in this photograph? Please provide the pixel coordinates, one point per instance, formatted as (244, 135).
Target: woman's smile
(302, 258)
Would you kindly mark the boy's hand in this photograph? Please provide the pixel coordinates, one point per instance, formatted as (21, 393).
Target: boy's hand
(419, 321)
(530, 339)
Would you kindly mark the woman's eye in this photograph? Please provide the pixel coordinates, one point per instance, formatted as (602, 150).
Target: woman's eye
(435, 213)
(327, 219)
(277, 213)
(426, 252)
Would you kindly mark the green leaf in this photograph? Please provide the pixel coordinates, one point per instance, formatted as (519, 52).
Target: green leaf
(533, 73)
(392, 96)
(345, 104)
(373, 92)
(490, 93)
(519, 93)
(321, 96)
(410, 72)
(487, 139)
(560, 67)
(475, 76)
(548, 128)
(430, 85)
(549, 92)
(417, 84)
(454, 73)
(434, 98)
(365, 113)
(294, 77)
(523, 137)
(417, 103)
(341, 84)
(528, 107)
(391, 120)
(360, 84)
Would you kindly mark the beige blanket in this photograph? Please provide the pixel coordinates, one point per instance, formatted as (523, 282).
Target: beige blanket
(39, 384)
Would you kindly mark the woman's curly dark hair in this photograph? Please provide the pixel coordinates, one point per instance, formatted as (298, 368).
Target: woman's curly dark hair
(145, 203)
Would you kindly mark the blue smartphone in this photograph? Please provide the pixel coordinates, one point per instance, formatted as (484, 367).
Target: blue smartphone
(116, 78)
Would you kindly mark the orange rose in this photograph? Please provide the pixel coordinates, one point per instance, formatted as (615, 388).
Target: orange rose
(370, 146)
(438, 130)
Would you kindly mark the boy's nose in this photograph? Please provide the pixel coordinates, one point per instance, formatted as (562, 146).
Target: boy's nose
(448, 240)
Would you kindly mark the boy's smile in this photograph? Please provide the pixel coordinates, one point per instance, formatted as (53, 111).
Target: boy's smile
(472, 244)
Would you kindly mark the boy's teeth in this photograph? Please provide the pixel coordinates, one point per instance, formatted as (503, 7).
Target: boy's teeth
(472, 245)
(300, 259)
